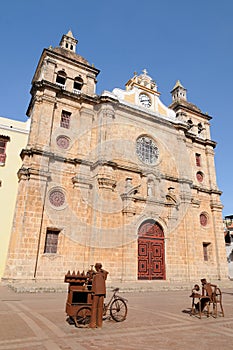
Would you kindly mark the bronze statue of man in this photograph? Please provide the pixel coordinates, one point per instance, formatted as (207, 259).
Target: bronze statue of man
(98, 295)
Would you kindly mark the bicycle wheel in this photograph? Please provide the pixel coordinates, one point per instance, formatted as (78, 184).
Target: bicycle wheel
(118, 310)
(83, 315)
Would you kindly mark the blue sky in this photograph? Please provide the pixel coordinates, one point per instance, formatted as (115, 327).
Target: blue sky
(187, 40)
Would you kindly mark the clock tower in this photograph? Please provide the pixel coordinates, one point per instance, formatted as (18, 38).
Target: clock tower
(141, 91)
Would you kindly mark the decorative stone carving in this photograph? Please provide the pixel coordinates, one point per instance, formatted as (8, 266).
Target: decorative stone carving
(57, 198)
(128, 184)
(63, 142)
(195, 202)
(171, 196)
(106, 182)
(129, 197)
(82, 181)
(30, 173)
(109, 113)
(150, 188)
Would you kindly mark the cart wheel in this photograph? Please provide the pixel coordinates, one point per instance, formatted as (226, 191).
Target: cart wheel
(83, 315)
(118, 310)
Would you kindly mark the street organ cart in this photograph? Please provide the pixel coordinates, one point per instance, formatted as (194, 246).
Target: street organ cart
(79, 300)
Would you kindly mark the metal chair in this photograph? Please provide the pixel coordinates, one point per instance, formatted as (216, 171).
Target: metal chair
(211, 296)
(215, 297)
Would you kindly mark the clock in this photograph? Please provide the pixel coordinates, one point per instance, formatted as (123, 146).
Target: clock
(145, 100)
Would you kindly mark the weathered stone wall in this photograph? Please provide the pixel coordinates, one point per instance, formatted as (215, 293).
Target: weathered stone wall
(96, 192)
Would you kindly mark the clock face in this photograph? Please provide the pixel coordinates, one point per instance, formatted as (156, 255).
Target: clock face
(145, 100)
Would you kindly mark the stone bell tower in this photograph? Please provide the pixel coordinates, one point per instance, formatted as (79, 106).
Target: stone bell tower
(68, 42)
(61, 110)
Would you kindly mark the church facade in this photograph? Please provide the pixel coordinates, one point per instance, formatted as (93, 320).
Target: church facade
(118, 178)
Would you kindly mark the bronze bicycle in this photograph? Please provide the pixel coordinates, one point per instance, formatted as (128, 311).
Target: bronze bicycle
(115, 308)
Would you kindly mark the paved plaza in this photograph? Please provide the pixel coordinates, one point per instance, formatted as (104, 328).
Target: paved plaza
(156, 320)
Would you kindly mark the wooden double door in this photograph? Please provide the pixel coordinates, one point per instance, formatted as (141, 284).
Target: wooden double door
(151, 257)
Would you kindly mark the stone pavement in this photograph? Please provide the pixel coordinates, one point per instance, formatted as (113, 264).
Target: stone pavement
(156, 320)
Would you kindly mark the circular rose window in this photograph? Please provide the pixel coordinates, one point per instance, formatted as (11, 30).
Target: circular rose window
(147, 150)
(203, 219)
(199, 176)
(63, 142)
(57, 198)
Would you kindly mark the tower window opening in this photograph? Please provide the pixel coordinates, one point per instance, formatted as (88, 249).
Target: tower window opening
(78, 84)
(61, 79)
(190, 123)
(200, 128)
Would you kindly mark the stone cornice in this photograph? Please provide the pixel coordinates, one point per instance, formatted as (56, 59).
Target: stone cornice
(31, 151)
(60, 92)
(114, 165)
(196, 139)
(151, 116)
(214, 205)
(55, 54)
(207, 190)
(27, 173)
(189, 107)
(82, 181)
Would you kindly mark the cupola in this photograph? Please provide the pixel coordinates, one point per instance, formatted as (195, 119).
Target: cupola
(68, 42)
(179, 92)
(142, 81)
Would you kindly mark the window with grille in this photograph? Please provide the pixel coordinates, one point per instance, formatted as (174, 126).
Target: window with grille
(51, 241)
(3, 142)
(198, 159)
(147, 150)
(65, 119)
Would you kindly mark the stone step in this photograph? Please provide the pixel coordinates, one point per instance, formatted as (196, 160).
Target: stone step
(137, 286)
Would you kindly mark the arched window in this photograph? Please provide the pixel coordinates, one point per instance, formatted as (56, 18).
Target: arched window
(190, 123)
(200, 176)
(200, 128)
(61, 79)
(203, 219)
(78, 84)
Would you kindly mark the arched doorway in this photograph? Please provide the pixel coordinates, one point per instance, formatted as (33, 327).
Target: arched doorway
(151, 256)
